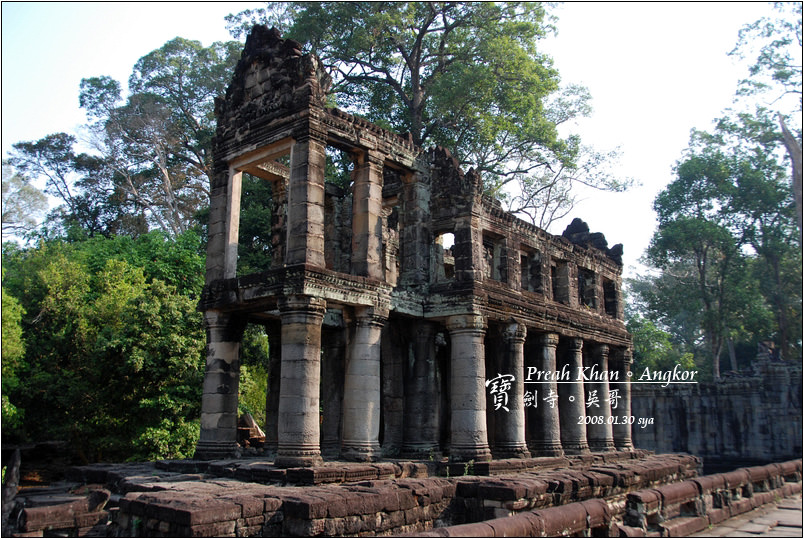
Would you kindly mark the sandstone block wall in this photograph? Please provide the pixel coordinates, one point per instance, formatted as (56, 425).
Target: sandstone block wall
(739, 419)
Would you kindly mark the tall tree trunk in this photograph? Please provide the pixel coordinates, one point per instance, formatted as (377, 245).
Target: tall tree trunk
(732, 355)
(794, 151)
(716, 345)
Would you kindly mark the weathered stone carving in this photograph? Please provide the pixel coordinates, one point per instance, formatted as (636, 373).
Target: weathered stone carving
(390, 302)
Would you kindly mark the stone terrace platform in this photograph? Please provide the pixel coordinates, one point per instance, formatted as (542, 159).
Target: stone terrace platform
(616, 493)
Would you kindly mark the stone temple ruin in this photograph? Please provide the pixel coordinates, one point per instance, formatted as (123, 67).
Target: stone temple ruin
(397, 310)
(390, 304)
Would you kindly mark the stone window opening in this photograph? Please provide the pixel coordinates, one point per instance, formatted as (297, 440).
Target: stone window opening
(339, 168)
(255, 241)
(559, 280)
(258, 184)
(587, 295)
(338, 179)
(495, 264)
(610, 297)
(530, 265)
(443, 256)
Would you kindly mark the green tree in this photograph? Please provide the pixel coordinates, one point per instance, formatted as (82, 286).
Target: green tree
(149, 167)
(775, 45)
(91, 203)
(254, 373)
(158, 141)
(22, 202)
(13, 350)
(726, 240)
(467, 76)
(114, 345)
(654, 348)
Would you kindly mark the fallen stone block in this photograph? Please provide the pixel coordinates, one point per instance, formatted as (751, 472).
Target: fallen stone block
(501, 489)
(716, 516)
(184, 510)
(683, 526)
(213, 529)
(598, 514)
(564, 519)
(736, 478)
(249, 506)
(476, 529)
(630, 531)
(304, 506)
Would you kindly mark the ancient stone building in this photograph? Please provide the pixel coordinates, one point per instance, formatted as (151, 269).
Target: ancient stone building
(391, 303)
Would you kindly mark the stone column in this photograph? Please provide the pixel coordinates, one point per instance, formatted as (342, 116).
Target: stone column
(298, 430)
(599, 434)
(421, 395)
(413, 239)
(509, 441)
(467, 386)
(221, 383)
(305, 227)
(224, 222)
(332, 366)
(366, 217)
(571, 402)
(361, 391)
(544, 421)
(274, 333)
(621, 431)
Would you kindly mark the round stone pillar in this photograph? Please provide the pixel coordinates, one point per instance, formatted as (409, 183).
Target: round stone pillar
(298, 430)
(621, 430)
(219, 399)
(599, 434)
(421, 412)
(571, 401)
(361, 391)
(544, 422)
(467, 385)
(273, 332)
(332, 370)
(510, 426)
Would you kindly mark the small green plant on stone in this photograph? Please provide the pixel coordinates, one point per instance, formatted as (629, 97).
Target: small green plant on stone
(469, 468)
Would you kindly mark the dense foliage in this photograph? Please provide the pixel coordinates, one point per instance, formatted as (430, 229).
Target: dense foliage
(113, 345)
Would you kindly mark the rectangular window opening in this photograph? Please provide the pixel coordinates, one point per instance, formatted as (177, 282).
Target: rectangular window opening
(443, 256)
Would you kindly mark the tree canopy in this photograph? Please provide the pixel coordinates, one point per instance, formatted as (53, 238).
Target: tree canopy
(727, 243)
(111, 351)
(466, 76)
(149, 162)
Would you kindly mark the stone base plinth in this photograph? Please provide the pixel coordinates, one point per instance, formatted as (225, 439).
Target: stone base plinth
(216, 450)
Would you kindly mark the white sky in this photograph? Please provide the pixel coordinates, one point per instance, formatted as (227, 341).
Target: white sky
(655, 71)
